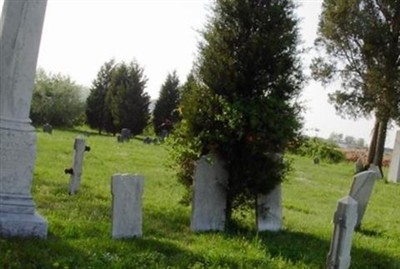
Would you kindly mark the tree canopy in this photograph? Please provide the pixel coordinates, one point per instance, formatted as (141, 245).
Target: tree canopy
(56, 100)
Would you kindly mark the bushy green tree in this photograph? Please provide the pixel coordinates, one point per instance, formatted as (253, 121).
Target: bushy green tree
(241, 100)
(97, 112)
(56, 100)
(126, 99)
(165, 110)
(361, 40)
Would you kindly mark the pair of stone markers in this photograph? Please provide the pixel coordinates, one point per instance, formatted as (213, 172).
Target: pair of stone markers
(348, 216)
(210, 194)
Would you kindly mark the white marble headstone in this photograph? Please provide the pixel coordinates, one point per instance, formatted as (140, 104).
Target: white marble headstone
(394, 170)
(127, 193)
(361, 190)
(269, 210)
(209, 195)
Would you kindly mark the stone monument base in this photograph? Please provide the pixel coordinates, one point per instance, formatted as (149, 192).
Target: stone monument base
(23, 225)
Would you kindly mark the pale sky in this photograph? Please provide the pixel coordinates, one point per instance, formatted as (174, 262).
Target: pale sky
(162, 36)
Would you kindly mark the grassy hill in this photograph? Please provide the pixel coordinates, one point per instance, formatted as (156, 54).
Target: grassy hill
(80, 225)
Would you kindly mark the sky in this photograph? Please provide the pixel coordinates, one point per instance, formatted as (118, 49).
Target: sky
(79, 36)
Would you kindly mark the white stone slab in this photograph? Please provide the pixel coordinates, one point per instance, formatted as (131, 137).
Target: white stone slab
(394, 170)
(75, 179)
(345, 219)
(269, 210)
(361, 190)
(127, 193)
(20, 32)
(209, 195)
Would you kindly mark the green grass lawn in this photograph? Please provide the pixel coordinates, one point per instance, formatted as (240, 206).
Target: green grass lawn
(80, 225)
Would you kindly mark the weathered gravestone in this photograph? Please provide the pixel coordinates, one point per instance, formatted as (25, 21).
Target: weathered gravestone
(126, 135)
(127, 193)
(47, 128)
(361, 190)
(209, 194)
(269, 210)
(394, 170)
(20, 32)
(345, 219)
(77, 163)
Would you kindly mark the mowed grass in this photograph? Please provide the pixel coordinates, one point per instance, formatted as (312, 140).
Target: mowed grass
(80, 225)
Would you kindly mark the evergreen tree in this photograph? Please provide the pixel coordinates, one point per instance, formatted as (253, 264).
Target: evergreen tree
(241, 103)
(165, 110)
(97, 112)
(126, 99)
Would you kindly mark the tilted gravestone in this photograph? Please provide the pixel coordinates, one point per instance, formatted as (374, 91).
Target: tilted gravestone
(127, 193)
(269, 210)
(361, 190)
(345, 219)
(76, 170)
(20, 33)
(394, 170)
(209, 194)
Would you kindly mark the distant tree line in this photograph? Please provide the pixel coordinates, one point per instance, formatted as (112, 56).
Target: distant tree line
(348, 141)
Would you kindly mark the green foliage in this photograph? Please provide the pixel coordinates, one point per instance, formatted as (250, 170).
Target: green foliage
(165, 110)
(126, 99)
(361, 40)
(318, 148)
(80, 225)
(240, 99)
(56, 100)
(98, 115)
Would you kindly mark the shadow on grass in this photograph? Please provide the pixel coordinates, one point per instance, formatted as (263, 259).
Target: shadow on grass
(311, 250)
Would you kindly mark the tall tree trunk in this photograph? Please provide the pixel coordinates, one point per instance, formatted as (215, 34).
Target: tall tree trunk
(380, 144)
(372, 144)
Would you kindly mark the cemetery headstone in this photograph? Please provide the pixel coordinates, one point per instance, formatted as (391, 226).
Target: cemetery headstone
(47, 128)
(127, 193)
(20, 32)
(209, 194)
(269, 210)
(126, 135)
(394, 169)
(76, 170)
(361, 190)
(345, 219)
